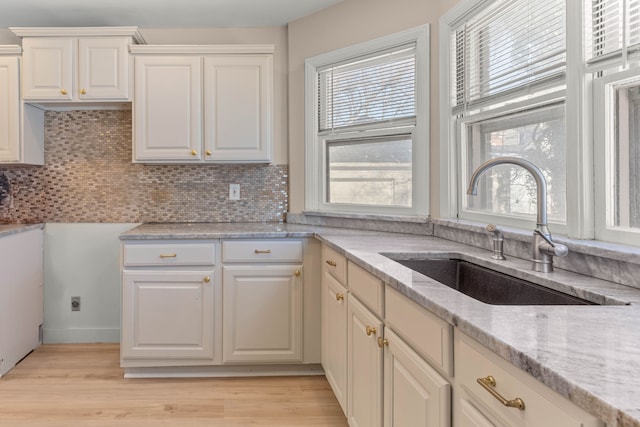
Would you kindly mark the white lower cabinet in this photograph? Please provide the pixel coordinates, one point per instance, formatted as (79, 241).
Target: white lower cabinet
(262, 313)
(334, 336)
(167, 315)
(364, 366)
(415, 395)
(475, 405)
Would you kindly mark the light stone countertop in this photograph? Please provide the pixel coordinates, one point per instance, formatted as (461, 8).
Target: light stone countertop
(589, 354)
(9, 229)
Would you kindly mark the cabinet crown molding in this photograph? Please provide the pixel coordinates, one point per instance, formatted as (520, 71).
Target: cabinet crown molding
(202, 49)
(79, 32)
(10, 50)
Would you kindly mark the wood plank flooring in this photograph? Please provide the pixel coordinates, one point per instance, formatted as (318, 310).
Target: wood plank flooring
(83, 385)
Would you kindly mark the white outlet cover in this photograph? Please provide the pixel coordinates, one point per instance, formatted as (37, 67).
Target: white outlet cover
(234, 191)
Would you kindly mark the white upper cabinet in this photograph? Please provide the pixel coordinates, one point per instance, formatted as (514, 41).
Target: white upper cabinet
(21, 125)
(168, 108)
(203, 104)
(237, 107)
(9, 108)
(48, 69)
(76, 64)
(103, 68)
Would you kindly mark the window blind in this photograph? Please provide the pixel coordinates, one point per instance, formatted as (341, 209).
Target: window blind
(615, 31)
(508, 48)
(368, 90)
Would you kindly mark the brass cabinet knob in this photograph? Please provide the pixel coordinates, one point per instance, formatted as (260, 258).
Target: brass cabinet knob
(339, 297)
(331, 262)
(194, 153)
(83, 92)
(382, 342)
(207, 279)
(489, 383)
(208, 152)
(63, 91)
(297, 273)
(370, 330)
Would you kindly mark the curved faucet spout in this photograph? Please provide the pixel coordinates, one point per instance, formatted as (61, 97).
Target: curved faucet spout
(541, 185)
(543, 248)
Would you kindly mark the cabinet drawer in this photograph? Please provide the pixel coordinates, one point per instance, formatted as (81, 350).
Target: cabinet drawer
(179, 254)
(429, 335)
(368, 288)
(542, 406)
(335, 264)
(262, 251)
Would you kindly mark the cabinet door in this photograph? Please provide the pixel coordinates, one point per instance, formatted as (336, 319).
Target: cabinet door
(238, 108)
(167, 315)
(415, 395)
(262, 317)
(334, 336)
(48, 68)
(364, 366)
(468, 415)
(9, 110)
(167, 109)
(103, 69)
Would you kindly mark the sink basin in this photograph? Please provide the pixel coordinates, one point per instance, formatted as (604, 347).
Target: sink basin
(489, 286)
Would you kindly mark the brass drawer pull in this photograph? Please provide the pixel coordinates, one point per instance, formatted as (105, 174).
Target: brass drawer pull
(339, 297)
(331, 262)
(168, 255)
(488, 383)
(370, 331)
(297, 273)
(262, 251)
(206, 279)
(382, 342)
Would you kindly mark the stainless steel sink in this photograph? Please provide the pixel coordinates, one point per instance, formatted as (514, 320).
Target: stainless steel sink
(487, 285)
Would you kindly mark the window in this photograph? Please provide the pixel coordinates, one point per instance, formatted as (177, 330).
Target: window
(366, 127)
(555, 82)
(535, 135)
(614, 55)
(507, 83)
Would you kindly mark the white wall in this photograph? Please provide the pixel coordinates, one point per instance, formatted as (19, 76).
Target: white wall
(82, 260)
(347, 23)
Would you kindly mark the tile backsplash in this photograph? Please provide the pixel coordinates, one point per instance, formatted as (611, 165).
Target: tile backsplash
(88, 176)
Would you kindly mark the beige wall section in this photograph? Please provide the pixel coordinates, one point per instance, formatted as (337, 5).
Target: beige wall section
(7, 37)
(347, 23)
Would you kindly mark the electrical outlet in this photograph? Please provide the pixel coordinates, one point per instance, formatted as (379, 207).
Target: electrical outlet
(75, 303)
(234, 191)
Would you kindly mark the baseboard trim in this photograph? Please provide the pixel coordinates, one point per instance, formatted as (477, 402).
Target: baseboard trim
(223, 371)
(80, 335)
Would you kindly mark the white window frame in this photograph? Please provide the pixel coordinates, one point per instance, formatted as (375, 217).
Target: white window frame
(604, 131)
(580, 209)
(315, 144)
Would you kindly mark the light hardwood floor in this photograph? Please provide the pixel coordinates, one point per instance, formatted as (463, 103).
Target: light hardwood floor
(83, 385)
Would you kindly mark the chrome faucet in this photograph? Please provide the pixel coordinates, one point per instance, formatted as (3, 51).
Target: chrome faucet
(543, 247)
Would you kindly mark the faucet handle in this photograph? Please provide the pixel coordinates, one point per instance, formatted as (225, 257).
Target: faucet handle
(550, 247)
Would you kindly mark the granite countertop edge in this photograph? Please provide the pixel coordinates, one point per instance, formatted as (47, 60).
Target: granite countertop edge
(9, 229)
(602, 379)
